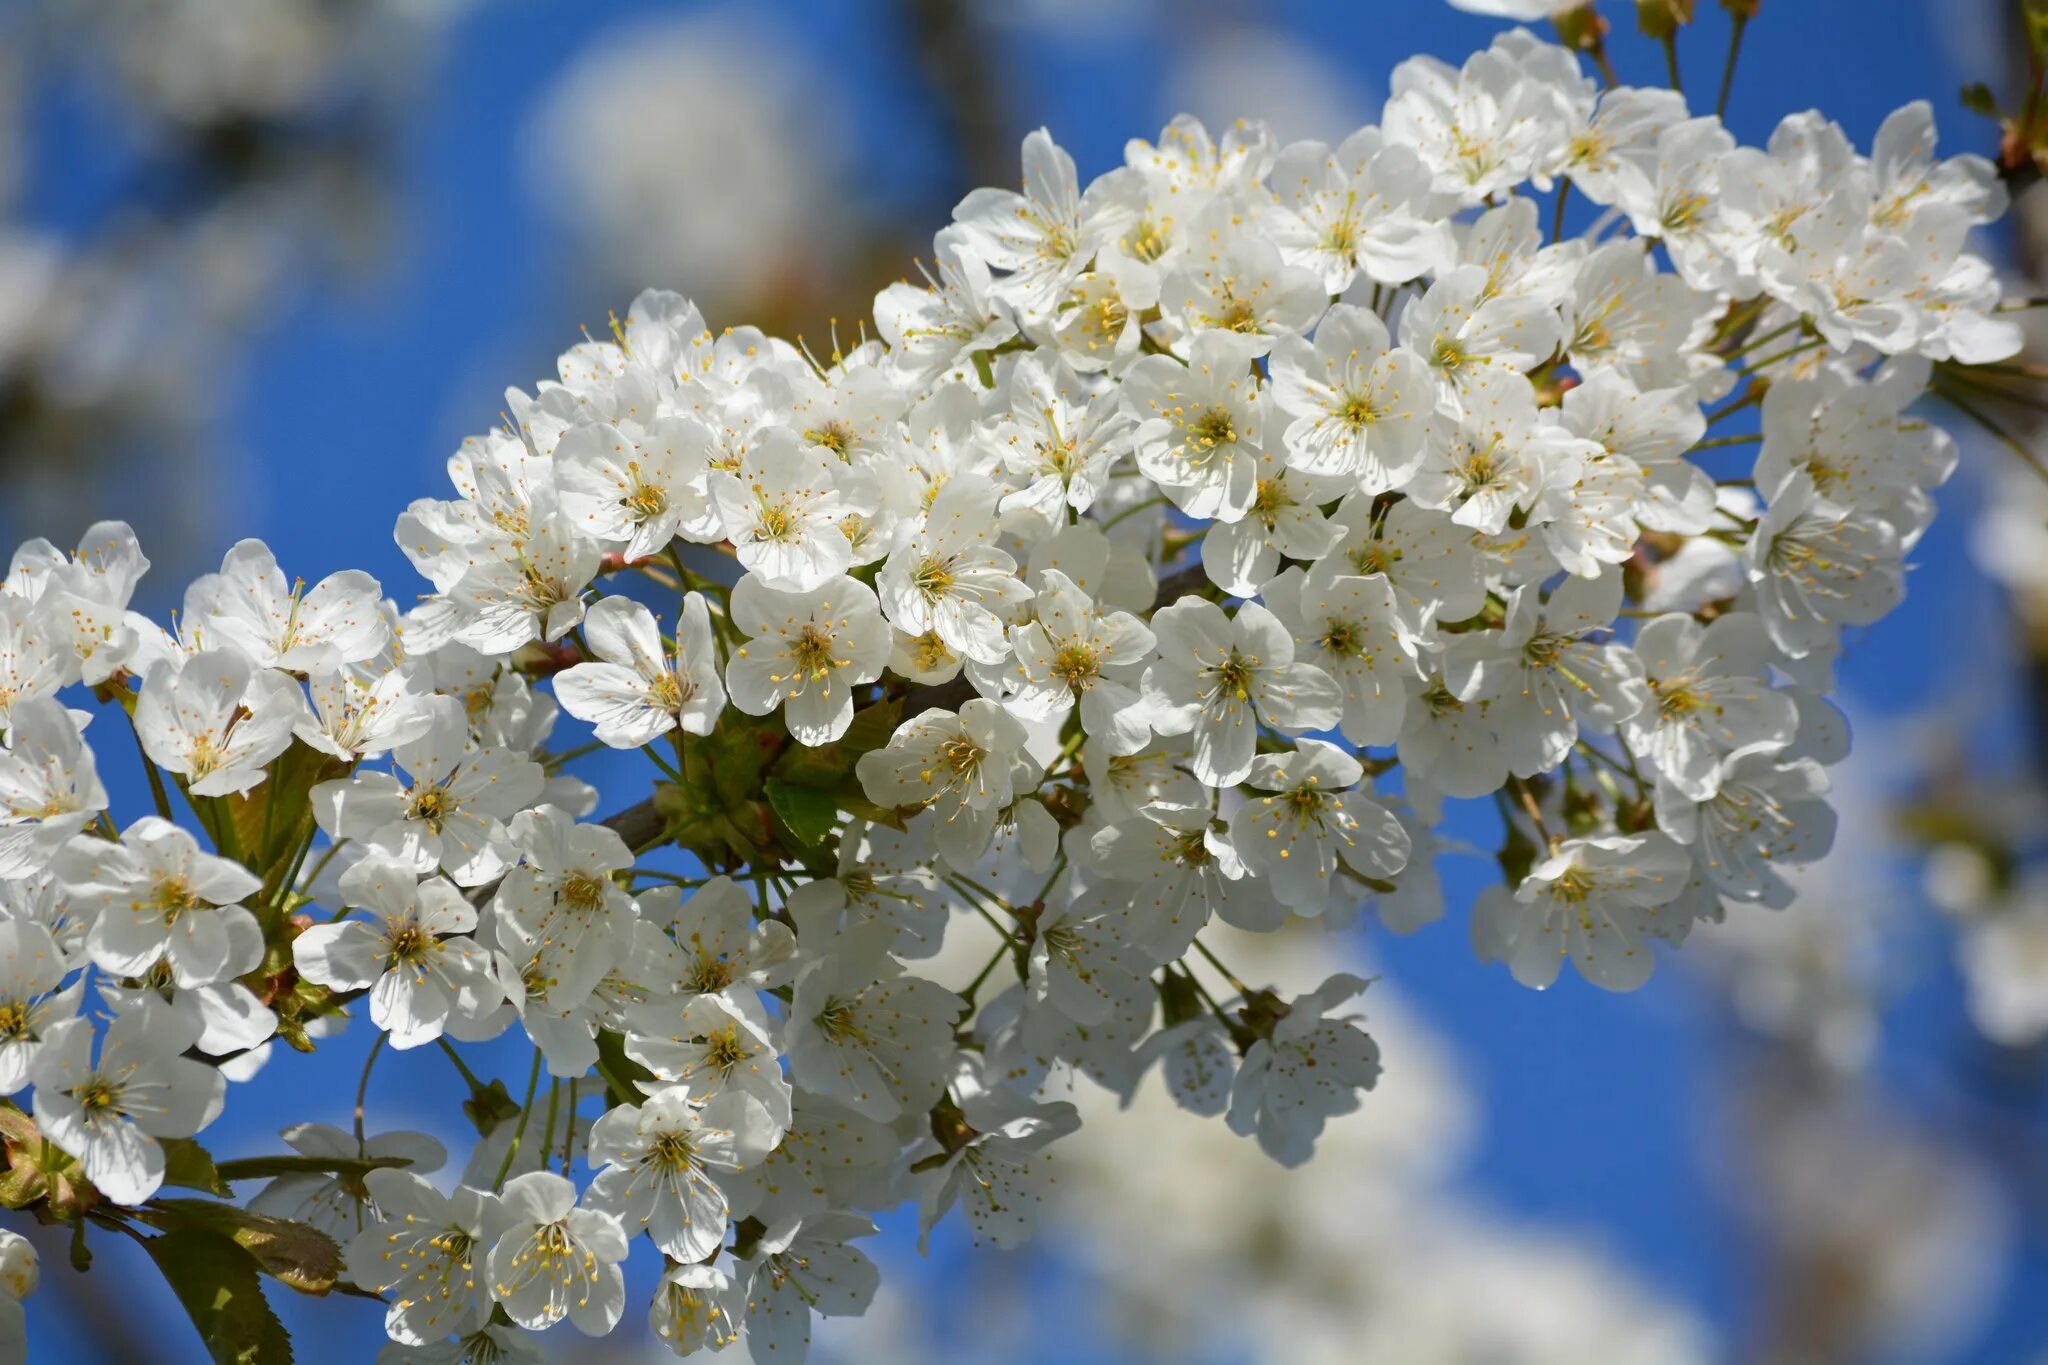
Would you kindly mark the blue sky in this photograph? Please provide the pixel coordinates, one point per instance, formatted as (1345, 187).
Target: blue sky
(1598, 1108)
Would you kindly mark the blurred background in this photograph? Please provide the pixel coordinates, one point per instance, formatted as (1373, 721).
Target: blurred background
(263, 263)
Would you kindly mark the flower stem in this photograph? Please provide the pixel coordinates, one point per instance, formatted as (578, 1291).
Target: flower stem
(1998, 433)
(477, 1087)
(1728, 71)
(363, 1091)
(525, 1111)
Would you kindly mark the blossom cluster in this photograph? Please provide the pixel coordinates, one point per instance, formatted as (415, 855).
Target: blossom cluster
(1171, 553)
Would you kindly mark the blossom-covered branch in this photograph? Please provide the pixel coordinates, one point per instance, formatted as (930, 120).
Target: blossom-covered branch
(1176, 548)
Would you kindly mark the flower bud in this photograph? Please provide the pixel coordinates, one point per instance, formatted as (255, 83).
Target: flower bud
(20, 1268)
(1661, 19)
(1581, 29)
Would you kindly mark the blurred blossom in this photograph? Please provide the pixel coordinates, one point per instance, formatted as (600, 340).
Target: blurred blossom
(210, 61)
(1373, 1257)
(721, 169)
(1888, 1244)
(1226, 72)
(2011, 536)
(2004, 959)
(1810, 975)
(251, 171)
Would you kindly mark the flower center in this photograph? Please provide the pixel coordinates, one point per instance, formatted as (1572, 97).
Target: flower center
(725, 1050)
(811, 654)
(431, 806)
(1544, 650)
(672, 1152)
(1375, 556)
(960, 757)
(584, 893)
(934, 577)
(408, 944)
(667, 692)
(1236, 315)
(539, 592)
(1216, 427)
(710, 974)
(97, 1096)
(835, 436)
(173, 896)
(1147, 241)
(1343, 638)
(1358, 412)
(1233, 677)
(1441, 702)
(840, 1023)
(1305, 803)
(1683, 211)
(775, 522)
(1077, 666)
(1572, 886)
(645, 502)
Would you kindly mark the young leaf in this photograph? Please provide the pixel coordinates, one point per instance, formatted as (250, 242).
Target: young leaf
(190, 1166)
(216, 1282)
(301, 1256)
(808, 812)
(270, 1167)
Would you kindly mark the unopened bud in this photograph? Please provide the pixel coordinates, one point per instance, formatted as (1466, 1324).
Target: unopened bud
(1661, 19)
(20, 1268)
(1581, 29)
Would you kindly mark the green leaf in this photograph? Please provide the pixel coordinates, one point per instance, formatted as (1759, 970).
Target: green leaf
(270, 1167)
(1978, 99)
(215, 1280)
(266, 817)
(190, 1166)
(491, 1106)
(828, 765)
(808, 812)
(300, 1255)
(625, 1080)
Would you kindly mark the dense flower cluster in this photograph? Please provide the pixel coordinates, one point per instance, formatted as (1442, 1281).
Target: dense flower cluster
(1174, 550)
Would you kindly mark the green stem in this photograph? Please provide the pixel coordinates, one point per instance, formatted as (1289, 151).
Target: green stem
(1735, 405)
(1765, 339)
(1728, 71)
(226, 837)
(1671, 60)
(974, 986)
(661, 763)
(1217, 963)
(1785, 354)
(1132, 510)
(525, 1111)
(469, 1077)
(569, 1134)
(156, 779)
(363, 1091)
(1998, 433)
(1564, 192)
(547, 1141)
(569, 755)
